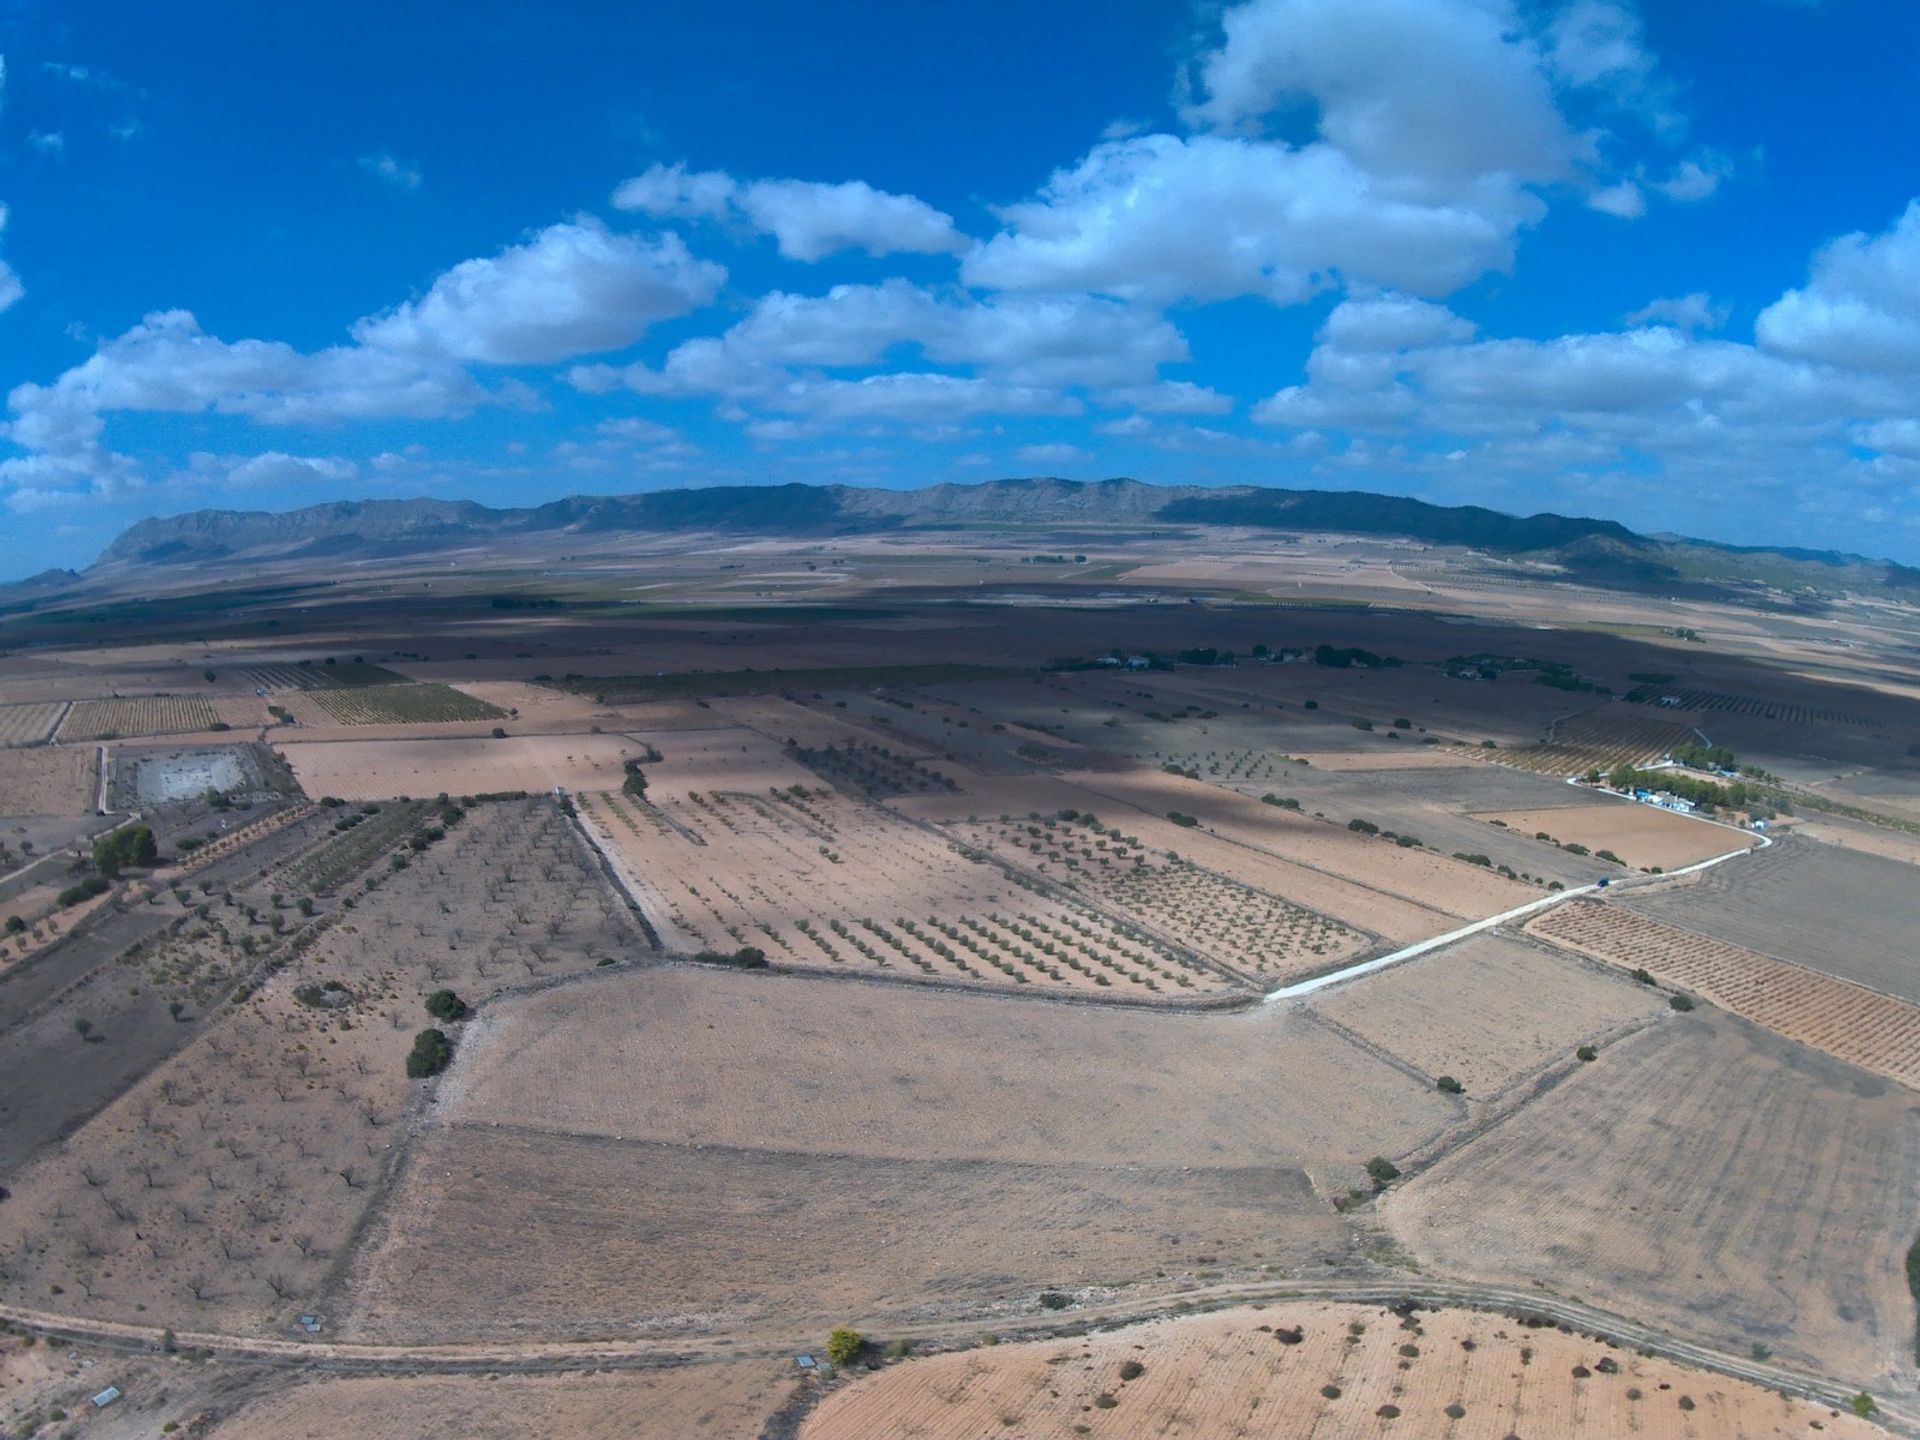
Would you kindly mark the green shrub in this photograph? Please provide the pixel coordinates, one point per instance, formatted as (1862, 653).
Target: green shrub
(1447, 1085)
(1330, 1392)
(844, 1346)
(1382, 1172)
(1681, 1002)
(1862, 1405)
(84, 890)
(445, 1005)
(432, 1052)
(1132, 1370)
(1587, 1052)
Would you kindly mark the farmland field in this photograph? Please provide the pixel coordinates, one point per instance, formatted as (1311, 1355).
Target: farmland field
(1863, 1027)
(1490, 1011)
(28, 724)
(311, 676)
(153, 715)
(1706, 1176)
(816, 880)
(422, 704)
(1851, 914)
(382, 769)
(1230, 1374)
(57, 780)
(1642, 836)
(1598, 740)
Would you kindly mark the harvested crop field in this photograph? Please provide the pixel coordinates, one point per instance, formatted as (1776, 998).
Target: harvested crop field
(153, 715)
(1704, 1176)
(1850, 1022)
(382, 769)
(1489, 1011)
(1229, 1375)
(488, 1238)
(693, 1402)
(28, 724)
(1643, 836)
(412, 704)
(52, 780)
(1849, 913)
(683, 1053)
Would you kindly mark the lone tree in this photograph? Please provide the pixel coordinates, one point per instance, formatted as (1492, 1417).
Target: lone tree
(432, 1052)
(844, 1346)
(118, 849)
(1382, 1172)
(636, 782)
(447, 1006)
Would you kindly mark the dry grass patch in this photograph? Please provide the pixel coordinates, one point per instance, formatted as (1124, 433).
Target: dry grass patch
(28, 724)
(48, 780)
(382, 769)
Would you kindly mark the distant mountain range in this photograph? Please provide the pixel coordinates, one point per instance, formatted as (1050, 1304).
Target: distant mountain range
(1600, 550)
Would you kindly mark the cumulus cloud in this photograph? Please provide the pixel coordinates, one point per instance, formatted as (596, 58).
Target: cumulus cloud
(1024, 352)
(573, 289)
(1051, 454)
(271, 470)
(1860, 307)
(808, 220)
(1624, 201)
(389, 169)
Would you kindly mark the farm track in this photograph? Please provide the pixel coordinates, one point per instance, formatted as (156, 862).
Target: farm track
(1900, 1414)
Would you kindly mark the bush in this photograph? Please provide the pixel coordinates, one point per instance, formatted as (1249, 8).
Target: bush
(1862, 1405)
(15, 924)
(1587, 1052)
(432, 1052)
(1681, 1002)
(1187, 821)
(445, 1005)
(1643, 977)
(1054, 1300)
(1363, 827)
(1447, 1085)
(1329, 1392)
(1132, 1370)
(85, 890)
(844, 1346)
(499, 732)
(1382, 1171)
(747, 957)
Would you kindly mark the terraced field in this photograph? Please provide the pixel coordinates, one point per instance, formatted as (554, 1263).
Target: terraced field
(411, 704)
(149, 715)
(1598, 740)
(1848, 1021)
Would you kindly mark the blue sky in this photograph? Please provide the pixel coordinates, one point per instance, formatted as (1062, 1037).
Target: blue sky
(1660, 264)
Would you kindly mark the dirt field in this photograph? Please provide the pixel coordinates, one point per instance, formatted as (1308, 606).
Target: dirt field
(1227, 1375)
(1851, 914)
(1643, 836)
(1490, 1011)
(57, 780)
(696, 1402)
(893, 1073)
(983, 1148)
(1850, 1022)
(1600, 739)
(28, 724)
(382, 769)
(1705, 1176)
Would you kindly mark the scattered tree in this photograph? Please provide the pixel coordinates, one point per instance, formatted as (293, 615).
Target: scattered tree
(844, 1346)
(431, 1053)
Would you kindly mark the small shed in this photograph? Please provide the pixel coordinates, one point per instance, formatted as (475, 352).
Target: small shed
(106, 1397)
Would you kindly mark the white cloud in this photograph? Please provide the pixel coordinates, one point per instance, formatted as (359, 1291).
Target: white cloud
(1624, 201)
(1439, 93)
(1696, 177)
(1051, 454)
(272, 470)
(808, 220)
(48, 142)
(1860, 307)
(1684, 312)
(389, 169)
(10, 286)
(1598, 45)
(1163, 219)
(571, 290)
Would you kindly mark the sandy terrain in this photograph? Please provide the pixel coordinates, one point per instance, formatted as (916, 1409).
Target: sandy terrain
(1705, 1176)
(1425, 757)
(29, 724)
(1850, 1022)
(57, 780)
(1643, 836)
(1490, 1011)
(1227, 1375)
(697, 1402)
(382, 769)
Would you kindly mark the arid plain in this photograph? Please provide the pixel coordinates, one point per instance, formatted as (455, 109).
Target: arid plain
(964, 940)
